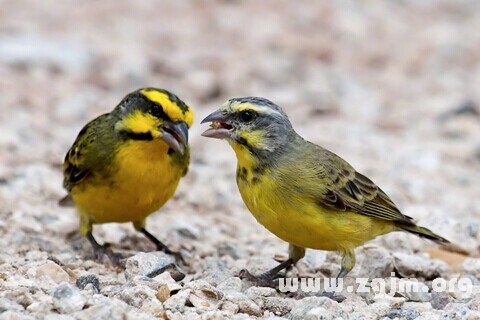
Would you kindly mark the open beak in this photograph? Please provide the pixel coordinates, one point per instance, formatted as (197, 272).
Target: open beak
(175, 134)
(220, 128)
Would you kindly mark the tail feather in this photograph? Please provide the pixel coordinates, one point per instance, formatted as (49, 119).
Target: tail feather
(423, 233)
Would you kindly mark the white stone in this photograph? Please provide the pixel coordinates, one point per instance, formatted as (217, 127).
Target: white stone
(68, 299)
(53, 271)
(145, 263)
(410, 265)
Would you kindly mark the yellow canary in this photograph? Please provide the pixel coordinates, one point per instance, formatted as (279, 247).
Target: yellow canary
(126, 164)
(301, 192)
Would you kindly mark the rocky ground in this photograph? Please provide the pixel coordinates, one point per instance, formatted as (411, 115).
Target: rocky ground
(392, 86)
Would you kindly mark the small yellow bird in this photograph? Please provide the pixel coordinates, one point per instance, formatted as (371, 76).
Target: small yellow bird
(301, 192)
(126, 164)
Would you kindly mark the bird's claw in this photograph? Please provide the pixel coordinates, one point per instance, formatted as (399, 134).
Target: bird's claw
(267, 280)
(102, 251)
(333, 296)
(179, 258)
(174, 271)
(177, 255)
(263, 280)
(298, 295)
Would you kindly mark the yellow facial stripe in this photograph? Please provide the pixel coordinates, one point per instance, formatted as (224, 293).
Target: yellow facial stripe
(139, 122)
(255, 139)
(247, 106)
(173, 111)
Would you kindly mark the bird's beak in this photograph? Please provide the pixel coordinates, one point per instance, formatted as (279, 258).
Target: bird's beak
(175, 134)
(220, 128)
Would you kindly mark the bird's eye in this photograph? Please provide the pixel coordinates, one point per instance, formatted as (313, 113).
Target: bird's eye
(247, 115)
(157, 111)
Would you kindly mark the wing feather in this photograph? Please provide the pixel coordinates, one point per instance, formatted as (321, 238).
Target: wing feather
(78, 164)
(349, 190)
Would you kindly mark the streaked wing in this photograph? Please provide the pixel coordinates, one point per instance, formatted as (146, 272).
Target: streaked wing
(76, 166)
(348, 190)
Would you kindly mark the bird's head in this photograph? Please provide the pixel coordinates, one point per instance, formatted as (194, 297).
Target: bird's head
(149, 114)
(255, 123)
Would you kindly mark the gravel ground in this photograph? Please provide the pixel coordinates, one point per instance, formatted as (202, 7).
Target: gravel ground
(391, 86)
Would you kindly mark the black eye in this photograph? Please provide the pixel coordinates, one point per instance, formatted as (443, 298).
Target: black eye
(157, 111)
(247, 115)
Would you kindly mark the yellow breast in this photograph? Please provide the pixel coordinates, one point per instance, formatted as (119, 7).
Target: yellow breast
(301, 222)
(143, 177)
(294, 218)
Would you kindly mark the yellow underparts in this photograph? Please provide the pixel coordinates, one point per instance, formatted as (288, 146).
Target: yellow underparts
(173, 111)
(297, 219)
(244, 157)
(143, 179)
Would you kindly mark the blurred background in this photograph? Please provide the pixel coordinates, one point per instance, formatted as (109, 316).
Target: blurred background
(391, 86)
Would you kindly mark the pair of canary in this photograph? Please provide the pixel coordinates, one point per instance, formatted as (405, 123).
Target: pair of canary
(126, 164)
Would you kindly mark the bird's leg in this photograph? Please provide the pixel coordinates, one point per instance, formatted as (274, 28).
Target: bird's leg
(348, 262)
(99, 251)
(161, 246)
(267, 279)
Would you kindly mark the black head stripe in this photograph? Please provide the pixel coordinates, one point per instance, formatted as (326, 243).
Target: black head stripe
(129, 135)
(258, 101)
(255, 100)
(137, 101)
(172, 97)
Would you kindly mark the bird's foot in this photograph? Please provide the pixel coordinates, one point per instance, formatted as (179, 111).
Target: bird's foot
(333, 296)
(175, 273)
(298, 295)
(101, 251)
(263, 280)
(177, 255)
(163, 247)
